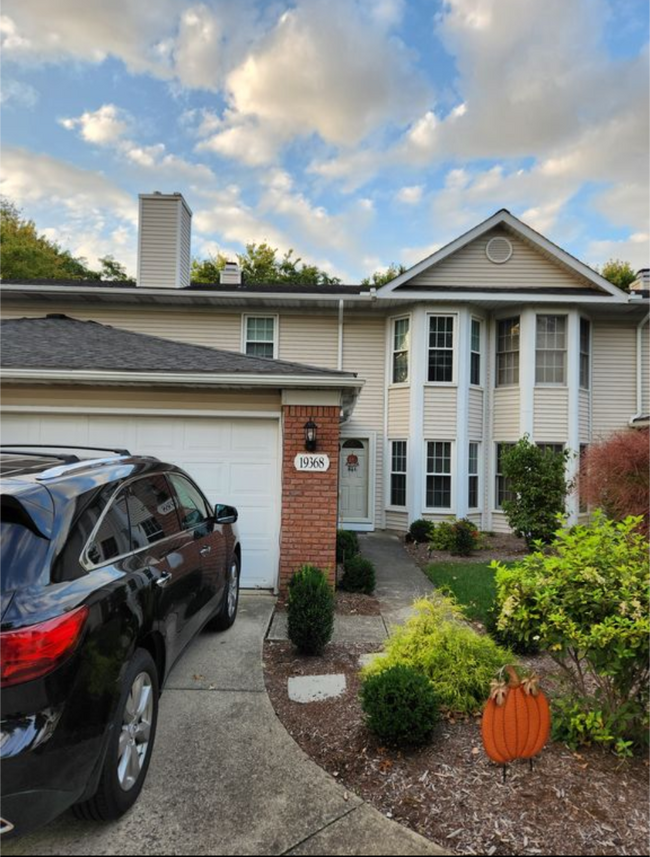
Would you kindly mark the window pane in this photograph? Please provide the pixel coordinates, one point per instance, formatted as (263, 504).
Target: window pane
(399, 456)
(398, 489)
(259, 349)
(438, 484)
(152, 511)
(503, 489)
(439, 492)
(192, 508)
(507, 369)
(401, 337)
(473, 475)
(473, 492)
(441, 366)
(476, 335)
(400, 367)
(475, 368)
(259, 329)
(585, 350)
(113, 536)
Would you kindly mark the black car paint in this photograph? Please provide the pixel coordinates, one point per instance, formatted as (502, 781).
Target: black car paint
(56, 728)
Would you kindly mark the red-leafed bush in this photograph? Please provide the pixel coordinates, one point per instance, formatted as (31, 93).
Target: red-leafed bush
(615, 475)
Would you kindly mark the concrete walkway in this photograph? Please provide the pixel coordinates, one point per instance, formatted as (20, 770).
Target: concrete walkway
(225, 777)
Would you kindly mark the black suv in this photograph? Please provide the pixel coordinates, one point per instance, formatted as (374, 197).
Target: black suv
(110, 566)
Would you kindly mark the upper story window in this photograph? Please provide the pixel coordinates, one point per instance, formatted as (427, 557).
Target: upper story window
(550, 360)
(441, 349)
(475, 353)
(507, 370)
(585, 353)
(401, 328)
(260, 336)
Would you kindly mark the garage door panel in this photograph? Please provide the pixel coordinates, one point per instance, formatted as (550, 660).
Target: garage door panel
(235, 461)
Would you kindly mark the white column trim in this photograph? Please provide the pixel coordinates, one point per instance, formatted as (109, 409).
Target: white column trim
(573, 385)
(460, 467)
(527, 338)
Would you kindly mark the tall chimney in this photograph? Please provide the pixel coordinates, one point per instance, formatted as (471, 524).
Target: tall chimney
(230, 274)
(164, 234)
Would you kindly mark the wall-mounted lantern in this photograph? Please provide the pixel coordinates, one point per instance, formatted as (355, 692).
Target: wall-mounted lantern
(311, 431)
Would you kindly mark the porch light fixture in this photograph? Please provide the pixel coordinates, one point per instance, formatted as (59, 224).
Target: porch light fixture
(311, 430)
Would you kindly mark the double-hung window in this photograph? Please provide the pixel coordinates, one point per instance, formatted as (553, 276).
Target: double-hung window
(260, 336)
(585, 353)
(472, 469)
(503, 490)
(401, 328)
(475, 353)
(438, 474)
(398, 473)
(550, 361)
(507, 352)
(441, 349)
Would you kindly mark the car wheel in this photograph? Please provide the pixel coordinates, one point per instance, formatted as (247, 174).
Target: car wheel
(227, 614)
(130, 744)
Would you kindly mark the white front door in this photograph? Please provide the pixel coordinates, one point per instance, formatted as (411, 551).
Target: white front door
(353, 481)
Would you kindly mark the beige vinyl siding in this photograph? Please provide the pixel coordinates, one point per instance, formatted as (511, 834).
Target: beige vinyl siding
(499, 523)
(613, 377)
(185, 273)
(645, 375)
(89, 398)
(475, 415)
(506, 414)
(399, 401)
(585, 428)
(364, 343)
(397, 521)
(527, 267)
(159, 242)
(551, 415)
(440, 404)
(181, 324)
(313, 340)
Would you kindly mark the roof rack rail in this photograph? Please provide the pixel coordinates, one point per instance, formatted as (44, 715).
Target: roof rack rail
(23, 449)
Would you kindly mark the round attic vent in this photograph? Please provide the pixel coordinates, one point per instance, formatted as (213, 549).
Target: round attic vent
(498, 250)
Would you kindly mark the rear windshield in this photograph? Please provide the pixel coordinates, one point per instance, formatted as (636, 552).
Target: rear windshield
(22, 552)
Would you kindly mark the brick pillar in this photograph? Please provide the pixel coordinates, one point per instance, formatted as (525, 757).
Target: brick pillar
(309, 500)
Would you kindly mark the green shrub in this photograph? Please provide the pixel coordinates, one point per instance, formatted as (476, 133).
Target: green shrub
(358, 575)
(466, 537)
(537, 483)
(420, 530)
(347, 545)
(310, 610)
(505, 638)
(586, 603)
(576, 724)
(442, 536)
(400, 705)
(438, 643)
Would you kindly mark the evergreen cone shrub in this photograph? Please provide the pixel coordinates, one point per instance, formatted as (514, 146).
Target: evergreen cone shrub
(347, 545)
(310, 610)
(358, 576)
(400, 705)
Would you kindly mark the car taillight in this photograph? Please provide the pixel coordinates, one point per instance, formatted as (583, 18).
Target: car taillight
(34, 651)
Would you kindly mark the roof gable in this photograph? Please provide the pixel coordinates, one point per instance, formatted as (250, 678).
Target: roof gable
(535, 264)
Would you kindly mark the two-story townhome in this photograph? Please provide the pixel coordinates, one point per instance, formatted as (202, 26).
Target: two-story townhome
(500, 333)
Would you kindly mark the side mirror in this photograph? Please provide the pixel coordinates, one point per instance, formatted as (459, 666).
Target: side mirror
(225, 514)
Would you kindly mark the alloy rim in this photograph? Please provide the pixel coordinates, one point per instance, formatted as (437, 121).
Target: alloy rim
(133, 744)
(232, 588)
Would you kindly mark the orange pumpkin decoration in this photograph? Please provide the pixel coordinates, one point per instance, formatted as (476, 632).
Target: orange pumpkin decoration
(517, 719)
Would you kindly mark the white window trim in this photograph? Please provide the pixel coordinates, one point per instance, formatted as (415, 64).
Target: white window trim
(480, 352)
(276, 330)
(454, 350)
(479, 444)
(390, 471)
(391, 351)
(440, 510)
(549, 385)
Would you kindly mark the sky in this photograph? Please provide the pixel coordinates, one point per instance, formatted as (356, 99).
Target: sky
(359, 133)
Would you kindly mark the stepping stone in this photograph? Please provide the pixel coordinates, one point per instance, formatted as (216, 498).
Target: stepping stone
(316, 688)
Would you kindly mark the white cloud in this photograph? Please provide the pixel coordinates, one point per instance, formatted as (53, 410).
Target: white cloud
(18, 93)
(410, 195)
(103, 127)
(635, 249)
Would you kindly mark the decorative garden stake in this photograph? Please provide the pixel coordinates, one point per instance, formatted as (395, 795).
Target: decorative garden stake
(516, 720)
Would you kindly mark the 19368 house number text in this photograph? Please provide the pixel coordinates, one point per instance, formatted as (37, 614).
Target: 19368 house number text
(312, 462)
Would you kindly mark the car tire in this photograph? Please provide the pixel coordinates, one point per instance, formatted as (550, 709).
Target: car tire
(127, 758)
(227, 614)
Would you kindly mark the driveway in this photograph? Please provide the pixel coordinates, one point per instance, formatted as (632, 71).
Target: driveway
(226, 778)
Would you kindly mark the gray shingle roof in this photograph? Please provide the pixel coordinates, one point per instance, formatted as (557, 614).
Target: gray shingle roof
(60, 342)
(271, 289)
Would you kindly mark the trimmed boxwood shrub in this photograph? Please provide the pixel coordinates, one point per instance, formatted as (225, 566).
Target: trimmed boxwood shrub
(347, 545)
(400, 705)
(358, 575)
(310, 610)
(420, 530)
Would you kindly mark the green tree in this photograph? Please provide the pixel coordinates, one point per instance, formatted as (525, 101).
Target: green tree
(113, 270)
(27, 255)
(538, 487)
(621, 274)
(260, 265)
(380, 278)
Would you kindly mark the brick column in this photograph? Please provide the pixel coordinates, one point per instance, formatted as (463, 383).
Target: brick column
(309, 500)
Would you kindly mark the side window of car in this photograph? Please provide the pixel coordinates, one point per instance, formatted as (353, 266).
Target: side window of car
(112, 538)
(193, 509)
(152, 511)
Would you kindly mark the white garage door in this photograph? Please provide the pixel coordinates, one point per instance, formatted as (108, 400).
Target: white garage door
(235, 461)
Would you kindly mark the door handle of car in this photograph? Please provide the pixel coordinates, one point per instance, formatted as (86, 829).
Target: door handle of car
(164, 579)
(205, 551)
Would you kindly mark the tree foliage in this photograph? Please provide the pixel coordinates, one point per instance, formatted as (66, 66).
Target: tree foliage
(620, 273)
(28, 255)
(380, 278)
(261, 265)
(538, 488)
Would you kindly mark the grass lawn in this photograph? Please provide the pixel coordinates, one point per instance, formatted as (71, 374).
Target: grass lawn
(472, 583)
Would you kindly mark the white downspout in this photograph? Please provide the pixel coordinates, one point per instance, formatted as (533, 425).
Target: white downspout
(639, 368)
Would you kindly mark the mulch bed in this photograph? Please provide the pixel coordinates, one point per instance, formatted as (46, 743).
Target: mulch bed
(346, 604)
(571, 803)
(502, 546)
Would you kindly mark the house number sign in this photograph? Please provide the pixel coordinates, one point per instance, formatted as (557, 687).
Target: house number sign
(312, 462)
